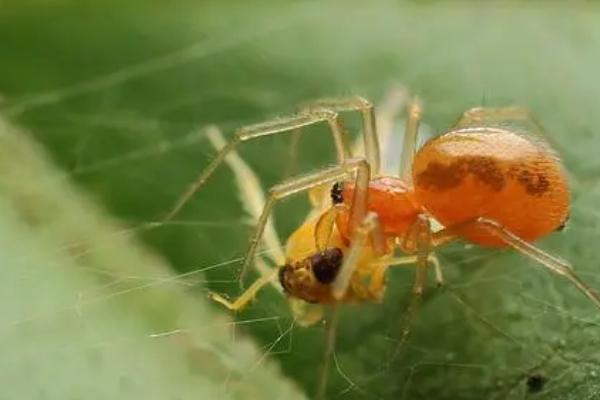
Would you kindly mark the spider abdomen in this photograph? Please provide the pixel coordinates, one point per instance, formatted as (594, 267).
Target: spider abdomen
(496, 174)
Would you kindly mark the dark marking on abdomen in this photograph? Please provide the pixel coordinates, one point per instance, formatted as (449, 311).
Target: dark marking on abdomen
(445, 176)
(535, 183)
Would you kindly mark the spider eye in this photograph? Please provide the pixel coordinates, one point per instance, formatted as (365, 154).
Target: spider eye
(336, 193)
(326, 265)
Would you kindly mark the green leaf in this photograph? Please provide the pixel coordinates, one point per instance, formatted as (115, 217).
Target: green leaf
(116, 92)
(87, 312)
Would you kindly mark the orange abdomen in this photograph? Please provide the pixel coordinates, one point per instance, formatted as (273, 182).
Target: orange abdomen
(492, 173)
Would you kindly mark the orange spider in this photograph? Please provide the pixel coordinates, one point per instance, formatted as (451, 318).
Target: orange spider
(491, 180)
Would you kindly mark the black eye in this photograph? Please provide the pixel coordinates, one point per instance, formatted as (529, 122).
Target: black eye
(336, 193)
(326, 265)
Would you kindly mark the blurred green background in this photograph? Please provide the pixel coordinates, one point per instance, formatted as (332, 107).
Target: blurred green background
(116, 92)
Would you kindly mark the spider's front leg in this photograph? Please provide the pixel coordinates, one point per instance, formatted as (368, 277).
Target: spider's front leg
(367, 111)
(276, 126)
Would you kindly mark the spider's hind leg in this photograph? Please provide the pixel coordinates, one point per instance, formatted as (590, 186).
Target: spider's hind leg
(550, 262)
(519, 119)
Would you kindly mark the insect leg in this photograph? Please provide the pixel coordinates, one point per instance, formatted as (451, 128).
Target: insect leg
(276, 126)
(248, 295)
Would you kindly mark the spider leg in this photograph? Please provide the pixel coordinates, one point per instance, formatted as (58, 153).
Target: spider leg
(388, 110)
(330, 338)
(552, 263)
(409, 144)
(251, 193)
(437, 267)
(276, 126)
(292, 157)
(421, 235)
(412, 259)
(253, 199)
(369, 228)
(362, 105)
(500, 117)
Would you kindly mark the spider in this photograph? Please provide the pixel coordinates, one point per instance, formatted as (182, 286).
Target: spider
(491, 180)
